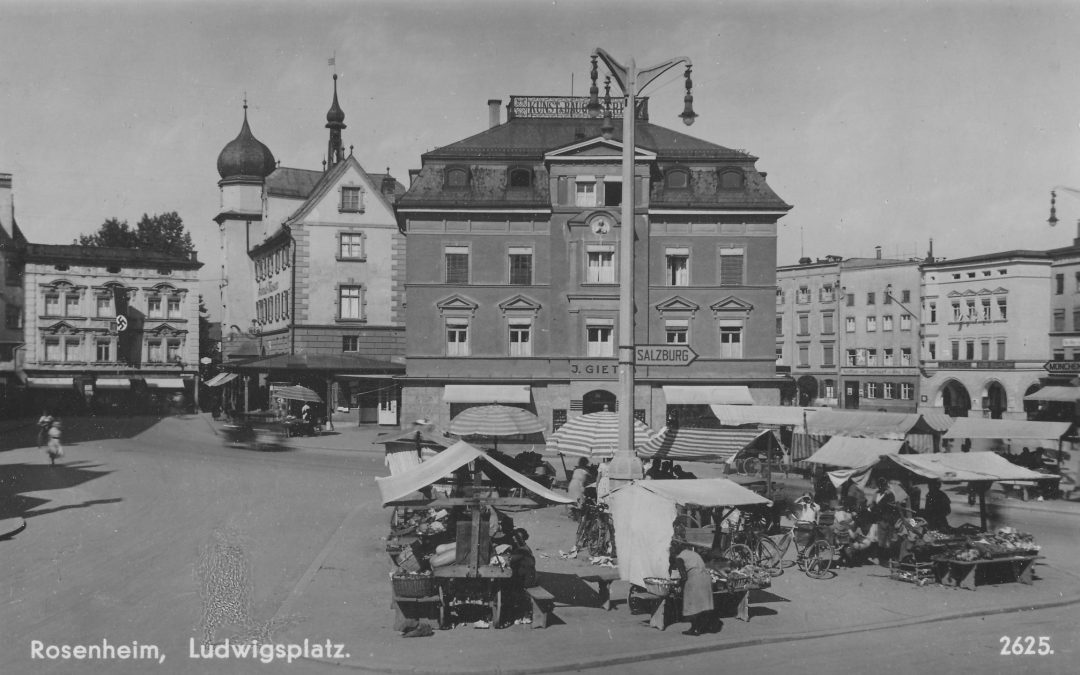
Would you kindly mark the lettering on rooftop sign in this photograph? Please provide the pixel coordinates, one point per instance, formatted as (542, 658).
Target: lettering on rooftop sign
(567, 107)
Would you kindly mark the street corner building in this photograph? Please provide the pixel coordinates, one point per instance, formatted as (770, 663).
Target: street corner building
(109, 329)
(312, 279)
(512, 270)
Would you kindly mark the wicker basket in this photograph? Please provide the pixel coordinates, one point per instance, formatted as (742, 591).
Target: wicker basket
(659, 585)
(420, 586)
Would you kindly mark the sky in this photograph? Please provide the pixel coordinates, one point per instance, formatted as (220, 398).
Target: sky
(882, 123)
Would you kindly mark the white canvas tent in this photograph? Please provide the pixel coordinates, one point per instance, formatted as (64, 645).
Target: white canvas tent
(644, 513)
(399, 486)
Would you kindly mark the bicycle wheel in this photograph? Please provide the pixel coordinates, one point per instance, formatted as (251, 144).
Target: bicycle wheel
(752, 466)
(818, 558)
(740, 555)
(768, 556)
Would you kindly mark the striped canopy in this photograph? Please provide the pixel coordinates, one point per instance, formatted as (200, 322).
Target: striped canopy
(594, 435)
(297, 393)
(495, 420)
(699, 445)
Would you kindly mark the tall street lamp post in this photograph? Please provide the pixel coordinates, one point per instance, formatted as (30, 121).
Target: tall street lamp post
(625, 465)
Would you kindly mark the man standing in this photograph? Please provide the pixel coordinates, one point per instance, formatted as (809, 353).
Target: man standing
(938, 507)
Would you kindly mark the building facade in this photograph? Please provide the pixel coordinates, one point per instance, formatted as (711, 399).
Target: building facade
(985, 332)
(807, 330)
(880, 326)
(12, 244)
(110, 329)
(313, 268)
(513, 259)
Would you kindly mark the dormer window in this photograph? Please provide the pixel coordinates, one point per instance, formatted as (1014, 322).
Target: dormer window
(457, 177)
(731, 179)
(351, 199)
(520, 178)
(678, 179)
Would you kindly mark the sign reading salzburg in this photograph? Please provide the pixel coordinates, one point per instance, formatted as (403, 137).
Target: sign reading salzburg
(663, 355)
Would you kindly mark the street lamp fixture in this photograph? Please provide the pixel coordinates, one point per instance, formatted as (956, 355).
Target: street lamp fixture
(625, 465)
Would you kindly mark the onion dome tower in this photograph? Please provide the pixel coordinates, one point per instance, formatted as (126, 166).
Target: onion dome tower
(244, 164)
(245, 157)
(335, 122)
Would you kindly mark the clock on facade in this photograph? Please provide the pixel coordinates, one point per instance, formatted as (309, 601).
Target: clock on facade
(601, 223)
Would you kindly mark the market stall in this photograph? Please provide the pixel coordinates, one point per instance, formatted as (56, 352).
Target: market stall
(453, 564)
(645, 514)
(966, 555)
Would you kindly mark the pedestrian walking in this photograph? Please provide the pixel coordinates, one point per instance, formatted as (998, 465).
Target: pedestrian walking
(55, 450)
(44, 424)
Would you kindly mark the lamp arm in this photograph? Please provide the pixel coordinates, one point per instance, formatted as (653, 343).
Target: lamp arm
(647, 75)
(618, 71)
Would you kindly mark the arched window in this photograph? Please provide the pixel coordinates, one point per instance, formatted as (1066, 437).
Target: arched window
(678, 179)
(520, 178)
(457, 177)
(731, 179)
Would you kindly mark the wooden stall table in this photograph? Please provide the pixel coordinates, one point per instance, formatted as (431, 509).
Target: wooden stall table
(603, 577)
(962, 573)
(668, 610)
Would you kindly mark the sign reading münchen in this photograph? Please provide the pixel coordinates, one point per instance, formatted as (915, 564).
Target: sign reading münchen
(1062, 366)
(566, 107)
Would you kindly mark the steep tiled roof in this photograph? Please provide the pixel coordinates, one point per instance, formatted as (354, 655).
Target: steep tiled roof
(527, 140)
(289, 182)
(102, 255)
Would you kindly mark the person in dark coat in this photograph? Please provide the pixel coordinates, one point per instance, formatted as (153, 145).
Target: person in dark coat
(938, 507)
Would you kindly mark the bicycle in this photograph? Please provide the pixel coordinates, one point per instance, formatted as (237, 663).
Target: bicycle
(749, 545)
(813, 554)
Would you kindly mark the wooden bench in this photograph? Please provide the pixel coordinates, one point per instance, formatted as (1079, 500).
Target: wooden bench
(602, 577)
(541, 613)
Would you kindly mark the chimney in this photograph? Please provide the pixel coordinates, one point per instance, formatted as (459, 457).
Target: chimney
(494, 115)
(413, 173)
(7, 205)
(389, 185)
(877, 252)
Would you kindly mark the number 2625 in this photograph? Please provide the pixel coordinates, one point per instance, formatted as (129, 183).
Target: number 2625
(1025, 645)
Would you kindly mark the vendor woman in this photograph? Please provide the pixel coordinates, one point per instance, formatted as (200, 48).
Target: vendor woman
(697, 596)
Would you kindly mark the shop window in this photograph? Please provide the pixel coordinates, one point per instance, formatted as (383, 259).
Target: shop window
(906, 391)
(350, 343)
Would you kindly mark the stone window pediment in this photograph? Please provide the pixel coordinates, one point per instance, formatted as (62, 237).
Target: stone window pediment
(457, 304)
(677, 304)
(519, 304)
(60, 328)
(733, 305)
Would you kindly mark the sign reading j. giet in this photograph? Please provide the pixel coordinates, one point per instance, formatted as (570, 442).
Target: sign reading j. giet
(567, 107)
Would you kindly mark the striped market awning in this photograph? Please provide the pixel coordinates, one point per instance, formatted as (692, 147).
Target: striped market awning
(594, 435)
(700, 445)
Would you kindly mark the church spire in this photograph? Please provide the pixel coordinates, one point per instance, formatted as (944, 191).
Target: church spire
(335, 122)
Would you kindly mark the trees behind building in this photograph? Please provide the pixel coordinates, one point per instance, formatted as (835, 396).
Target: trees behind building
(164, 233)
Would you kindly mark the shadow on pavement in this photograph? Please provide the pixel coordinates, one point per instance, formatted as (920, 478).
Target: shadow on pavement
(17, 479)
(82, 430)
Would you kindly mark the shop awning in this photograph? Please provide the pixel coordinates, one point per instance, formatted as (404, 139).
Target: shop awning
(164, 383)
(852, 453)
(487, 393)
(864, 424)
(965, 466)
(220, 379)
(397, 487)
(705, 395)
(775, 415)
(50, 382)
(1059, 394)
(699, 445)
(979, 427)
(112, 383)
